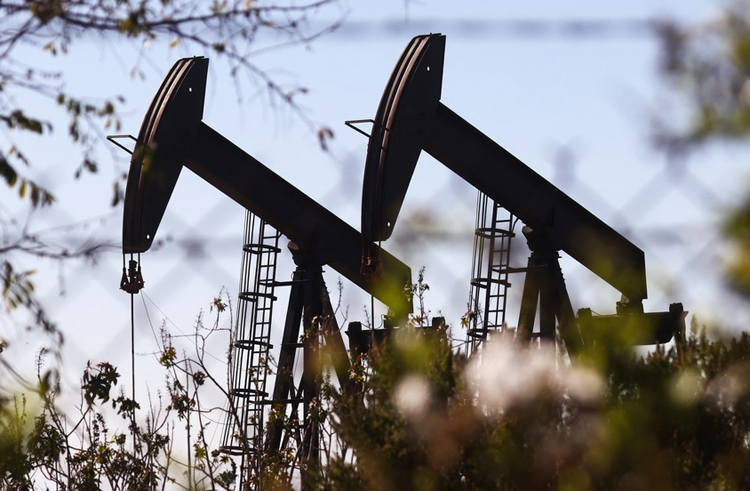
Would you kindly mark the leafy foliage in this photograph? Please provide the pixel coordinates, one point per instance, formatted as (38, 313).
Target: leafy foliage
(514, 418)
(223, 28)
(229, 29)
(44, 443)
(708, 66)
(707, 69)
(422, 416)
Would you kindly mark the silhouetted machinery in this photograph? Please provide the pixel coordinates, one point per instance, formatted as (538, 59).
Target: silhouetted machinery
(173, 136)
(411, 118)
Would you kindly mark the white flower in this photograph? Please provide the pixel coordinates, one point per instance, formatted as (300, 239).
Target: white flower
(584, 385)
(504, 374)
(412, 396)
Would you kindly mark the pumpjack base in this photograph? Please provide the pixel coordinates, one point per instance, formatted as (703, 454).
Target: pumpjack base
(361, 341)
(545, 293)
(639, 328)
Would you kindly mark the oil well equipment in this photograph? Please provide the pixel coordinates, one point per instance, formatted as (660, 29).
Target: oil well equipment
(411, 118)
(174, 136)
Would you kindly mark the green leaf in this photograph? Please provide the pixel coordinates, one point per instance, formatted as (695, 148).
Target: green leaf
(8, 172)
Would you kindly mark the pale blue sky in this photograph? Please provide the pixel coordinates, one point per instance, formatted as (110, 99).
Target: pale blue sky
(533, 95)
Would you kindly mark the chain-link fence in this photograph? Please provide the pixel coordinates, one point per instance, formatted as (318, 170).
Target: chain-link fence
(671, 208)
(198, 255)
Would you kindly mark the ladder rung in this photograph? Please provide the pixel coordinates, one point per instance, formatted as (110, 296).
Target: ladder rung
(482, 331)
(258, 248)
(245, 392)
(484, 282)
(284, 401)
(234, 450)
(247, 343)
(510, 270)
(491, 232)
(253, 296)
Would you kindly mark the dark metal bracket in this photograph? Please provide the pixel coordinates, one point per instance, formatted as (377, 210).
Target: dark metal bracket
(352, 122)
(114, 138)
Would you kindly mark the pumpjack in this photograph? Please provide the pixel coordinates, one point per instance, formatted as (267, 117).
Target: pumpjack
(411, 118)
(174, 136)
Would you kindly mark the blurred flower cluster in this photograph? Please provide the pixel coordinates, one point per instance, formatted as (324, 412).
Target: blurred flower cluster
(518, 417)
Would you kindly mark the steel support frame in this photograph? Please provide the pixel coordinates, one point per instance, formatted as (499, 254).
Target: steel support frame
(544, 291)
(309, 309)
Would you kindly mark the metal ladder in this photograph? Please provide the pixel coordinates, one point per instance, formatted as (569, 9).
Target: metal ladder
(488, 294)
(243, 435)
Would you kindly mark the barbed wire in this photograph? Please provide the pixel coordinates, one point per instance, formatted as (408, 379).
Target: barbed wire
(574, 29)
